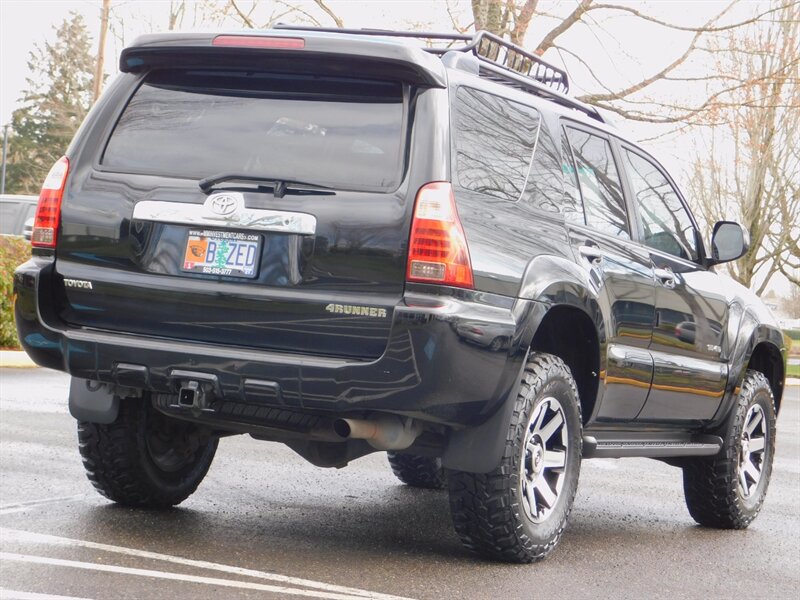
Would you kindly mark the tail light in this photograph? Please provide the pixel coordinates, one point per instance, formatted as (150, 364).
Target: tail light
(48, 212)
(437, 250)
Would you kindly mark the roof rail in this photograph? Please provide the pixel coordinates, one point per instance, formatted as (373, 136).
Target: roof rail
(499, 60)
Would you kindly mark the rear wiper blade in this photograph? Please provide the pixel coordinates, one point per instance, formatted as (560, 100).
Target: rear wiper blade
(279, 185)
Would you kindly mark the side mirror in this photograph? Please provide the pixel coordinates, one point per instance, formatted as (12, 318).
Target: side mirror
(728, 242)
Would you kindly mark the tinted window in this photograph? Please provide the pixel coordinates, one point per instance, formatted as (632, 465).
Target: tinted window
(599, 183)
(667, 226)
(571, 190)
(544, 189)
(494, 142)
(338, 132)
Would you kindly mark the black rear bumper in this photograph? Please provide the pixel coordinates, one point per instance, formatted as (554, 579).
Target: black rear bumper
(435, 367)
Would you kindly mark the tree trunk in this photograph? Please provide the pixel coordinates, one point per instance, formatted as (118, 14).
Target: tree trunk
(101, 52)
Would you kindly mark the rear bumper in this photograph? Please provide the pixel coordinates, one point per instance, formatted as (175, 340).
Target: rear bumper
(429, 370)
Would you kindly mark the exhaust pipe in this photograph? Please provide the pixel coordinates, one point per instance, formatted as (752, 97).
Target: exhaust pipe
(383, 433)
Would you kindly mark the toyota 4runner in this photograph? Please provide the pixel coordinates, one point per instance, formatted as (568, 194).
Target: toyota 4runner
(349, 242)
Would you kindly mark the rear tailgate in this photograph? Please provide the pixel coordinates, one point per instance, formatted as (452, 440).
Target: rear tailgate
(313, 267)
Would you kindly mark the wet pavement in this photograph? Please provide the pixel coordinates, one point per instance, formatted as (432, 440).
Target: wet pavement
(266, 524)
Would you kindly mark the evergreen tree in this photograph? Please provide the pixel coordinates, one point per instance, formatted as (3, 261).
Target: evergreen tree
(58, 96)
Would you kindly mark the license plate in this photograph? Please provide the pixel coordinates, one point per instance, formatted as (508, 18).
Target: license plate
(229, 253)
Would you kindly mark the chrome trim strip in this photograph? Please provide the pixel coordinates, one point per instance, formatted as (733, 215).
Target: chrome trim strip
(246, 218)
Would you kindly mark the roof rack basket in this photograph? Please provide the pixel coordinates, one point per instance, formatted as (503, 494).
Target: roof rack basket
(499, 60)
(487, 47)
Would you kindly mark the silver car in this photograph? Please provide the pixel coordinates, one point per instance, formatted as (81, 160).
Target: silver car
(16, 214)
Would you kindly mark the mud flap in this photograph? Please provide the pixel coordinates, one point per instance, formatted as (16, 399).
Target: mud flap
(479, 449)
(92, 402)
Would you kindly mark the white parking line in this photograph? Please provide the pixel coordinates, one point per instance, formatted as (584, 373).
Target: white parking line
(15, 535)
(244, 585)
(17, 595)
(22, 506)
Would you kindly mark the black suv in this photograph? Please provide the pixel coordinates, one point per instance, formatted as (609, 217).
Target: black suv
(348, 242)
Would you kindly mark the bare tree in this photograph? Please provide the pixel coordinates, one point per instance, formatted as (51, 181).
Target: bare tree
(513, 18)
(177, 11)
(749, 169)
(99, 68)
(250, 13)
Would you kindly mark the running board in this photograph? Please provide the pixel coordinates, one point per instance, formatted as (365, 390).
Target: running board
(615, 445)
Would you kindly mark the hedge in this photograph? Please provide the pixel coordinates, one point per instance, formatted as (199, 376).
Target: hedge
(13, 252)
(793, 334)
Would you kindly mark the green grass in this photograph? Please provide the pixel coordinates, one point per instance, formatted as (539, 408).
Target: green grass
(793, 371)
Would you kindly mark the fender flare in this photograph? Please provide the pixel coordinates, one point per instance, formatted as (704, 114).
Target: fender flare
(556, 280)
(752, 332)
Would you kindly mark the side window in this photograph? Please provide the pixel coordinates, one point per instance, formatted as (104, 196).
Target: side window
(600, 184)
(667, 225)
(494, 143)
(544, 189)
(572, 192)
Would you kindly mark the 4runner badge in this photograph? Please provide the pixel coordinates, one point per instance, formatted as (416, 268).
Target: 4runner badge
(349, 309)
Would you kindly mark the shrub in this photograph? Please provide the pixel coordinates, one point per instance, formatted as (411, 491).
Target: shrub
(13, 252)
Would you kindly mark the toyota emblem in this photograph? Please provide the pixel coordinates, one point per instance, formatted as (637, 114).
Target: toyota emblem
(224, 204)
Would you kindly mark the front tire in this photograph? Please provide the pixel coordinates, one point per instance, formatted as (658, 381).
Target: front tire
(145, 458)
(518, 512)
(727, 491)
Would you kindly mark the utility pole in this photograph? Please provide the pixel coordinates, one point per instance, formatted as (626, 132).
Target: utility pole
(101, 51)
(5, 154)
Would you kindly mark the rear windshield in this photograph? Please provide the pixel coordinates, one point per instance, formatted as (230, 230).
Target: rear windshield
(338, 132)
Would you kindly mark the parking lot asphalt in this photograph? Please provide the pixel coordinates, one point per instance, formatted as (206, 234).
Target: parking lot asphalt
(265, 524)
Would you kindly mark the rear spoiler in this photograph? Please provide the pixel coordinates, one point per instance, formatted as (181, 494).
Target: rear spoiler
(319, 53)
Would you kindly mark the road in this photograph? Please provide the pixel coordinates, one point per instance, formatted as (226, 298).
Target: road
(265, 524)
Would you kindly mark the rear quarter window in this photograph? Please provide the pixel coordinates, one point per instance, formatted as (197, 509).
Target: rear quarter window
(494, 141)
(545, 189)
(334, 131)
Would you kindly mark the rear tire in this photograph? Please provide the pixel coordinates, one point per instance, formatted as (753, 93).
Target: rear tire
(145, 458)
(418, 471)
(727, 491)
(497, 344)
(518, 511)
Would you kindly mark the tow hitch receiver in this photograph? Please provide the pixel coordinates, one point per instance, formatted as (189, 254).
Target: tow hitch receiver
(196, 391)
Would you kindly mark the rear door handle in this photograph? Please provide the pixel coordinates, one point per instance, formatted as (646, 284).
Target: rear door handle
(666, 277)
(592, 253)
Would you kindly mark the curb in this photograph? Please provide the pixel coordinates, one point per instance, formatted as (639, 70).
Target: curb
(15, 359)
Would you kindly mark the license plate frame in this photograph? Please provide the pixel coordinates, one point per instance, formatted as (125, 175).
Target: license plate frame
(243, 253)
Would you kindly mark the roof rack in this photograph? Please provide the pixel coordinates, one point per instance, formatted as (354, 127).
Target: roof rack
(499, 60)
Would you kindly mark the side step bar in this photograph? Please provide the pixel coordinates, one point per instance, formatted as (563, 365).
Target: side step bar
(615, 445)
